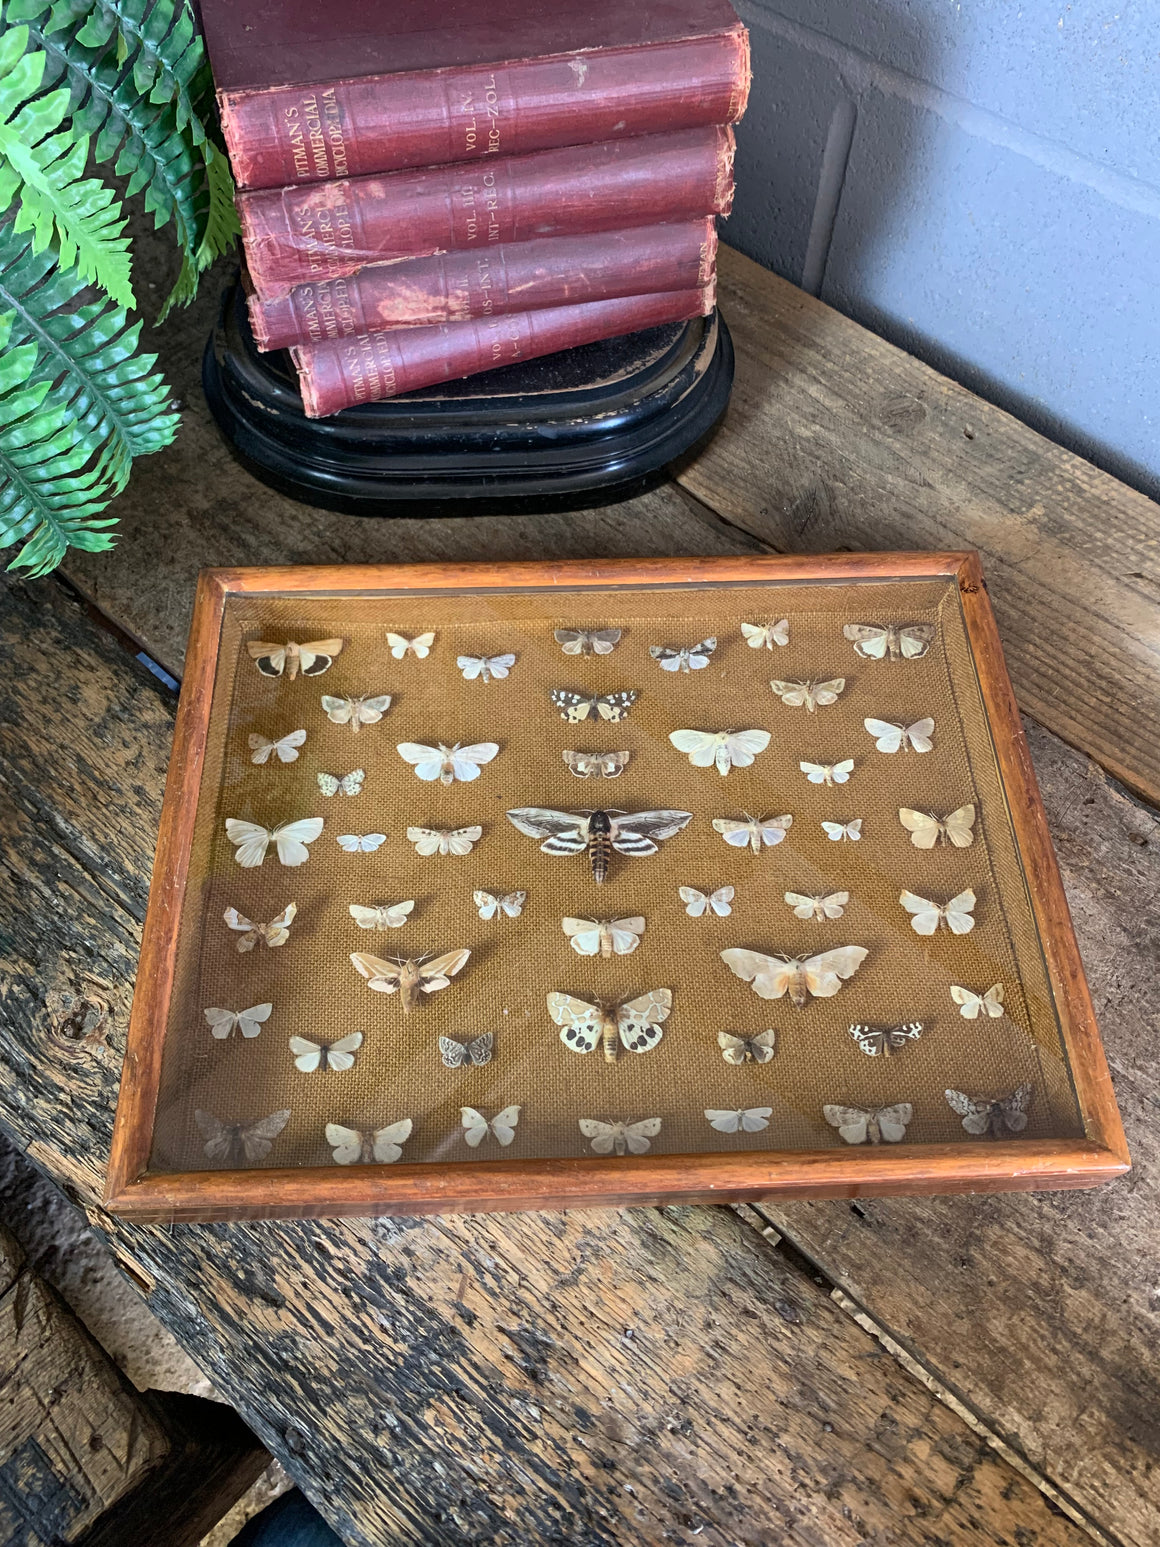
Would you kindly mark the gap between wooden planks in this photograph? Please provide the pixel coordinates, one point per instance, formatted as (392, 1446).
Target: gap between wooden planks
(603, 1376)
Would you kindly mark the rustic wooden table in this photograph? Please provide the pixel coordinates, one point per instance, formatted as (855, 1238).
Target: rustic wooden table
(960, 1370)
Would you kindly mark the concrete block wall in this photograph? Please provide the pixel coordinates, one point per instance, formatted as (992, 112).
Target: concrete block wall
(978, 181)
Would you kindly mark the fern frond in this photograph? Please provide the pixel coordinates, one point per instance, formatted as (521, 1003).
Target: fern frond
(44, 169)
(50, 496)
(87, 353)
(221, 229)
(159, 39)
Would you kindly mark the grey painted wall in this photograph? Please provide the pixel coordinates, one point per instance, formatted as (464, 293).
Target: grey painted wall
(980, 183)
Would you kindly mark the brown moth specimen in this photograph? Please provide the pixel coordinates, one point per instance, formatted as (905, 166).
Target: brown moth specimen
(992, 1118)
(409, 978)
(312, 659)
(597, 833)
(893, 641)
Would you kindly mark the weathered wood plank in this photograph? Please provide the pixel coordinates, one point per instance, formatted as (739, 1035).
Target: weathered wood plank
(600, 1377)
(836, 439)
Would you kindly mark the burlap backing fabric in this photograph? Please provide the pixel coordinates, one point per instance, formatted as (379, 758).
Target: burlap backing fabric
(514, 963)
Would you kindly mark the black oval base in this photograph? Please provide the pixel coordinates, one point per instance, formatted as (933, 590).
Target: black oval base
(586, 427)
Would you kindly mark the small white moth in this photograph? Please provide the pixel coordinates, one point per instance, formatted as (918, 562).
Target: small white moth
(310, 1056)
(276, 932)
(901, 642)
(356, 712)
(359, 1146)
(346, 784)
(818, 976)
(285, 749)
(457, 840)
(742, 1120)
(390, 916)
(684, 658)
(828, 773)
(971, 1005)
(893, 738)
(725, 749)
(289, 840)
(818, 908)
(249, 1022)
(857, 1126)
(420, 646)
(752, 833)
(767, 634)
(620, 1138)
(836, 831)
(608, 937)
(447, 763)
(698, 903)
(811, 695)
(485, 667)
(364, 843)
(956, 914)
(926, 829)
(492, 906)
(502, 1126)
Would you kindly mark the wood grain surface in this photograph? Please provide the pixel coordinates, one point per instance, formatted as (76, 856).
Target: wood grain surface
(593, 1377)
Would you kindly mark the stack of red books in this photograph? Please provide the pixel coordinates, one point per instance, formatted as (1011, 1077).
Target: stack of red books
(424, 196)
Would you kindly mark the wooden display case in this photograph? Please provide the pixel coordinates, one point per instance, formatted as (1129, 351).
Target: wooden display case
(242, 1124)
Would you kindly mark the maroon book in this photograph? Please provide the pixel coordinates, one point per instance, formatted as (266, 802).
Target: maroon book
(511, 277)
(309, 93)
(373, 366)
(324, 231)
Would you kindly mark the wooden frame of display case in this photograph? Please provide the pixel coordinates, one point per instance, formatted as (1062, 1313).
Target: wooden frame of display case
(485, 1185)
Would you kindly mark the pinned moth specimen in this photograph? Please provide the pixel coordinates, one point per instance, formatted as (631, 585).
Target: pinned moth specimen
(926, 829)
(588, 641)
(311, 1056)
(743, 1120)
(818, 908)
(597, 833)
(447, 763)
(240, 1141)
(738, 1050)
(346, 784)
(364, 843)
(895, 738)
(361, 1147)
(408, 978)
(989, 1118)
(890, 641)
(492, 906)
(456, 1055)
(575, 707)
(819, 977)
(880, 1124)
(972, 1005)
(956, 914)
(698, 903)
(606, 937)
(286, 749)
(683, 657)
(837, 831)
(810, 694)
(767, 634)
(485, 667)
(751, 832)
(637, 1024)
(290, 840)
(276, 932)
(476, 1127)
(419, 647)
(725, 749)
(222, 1023)
(311, 659)
(596, 765)
(828, 774)
(387, 916)
(880, 1041)
(356, 712)
(455, 840)
(620, 1138)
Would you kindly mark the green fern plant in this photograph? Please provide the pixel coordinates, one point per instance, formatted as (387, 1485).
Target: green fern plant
(121, 83)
